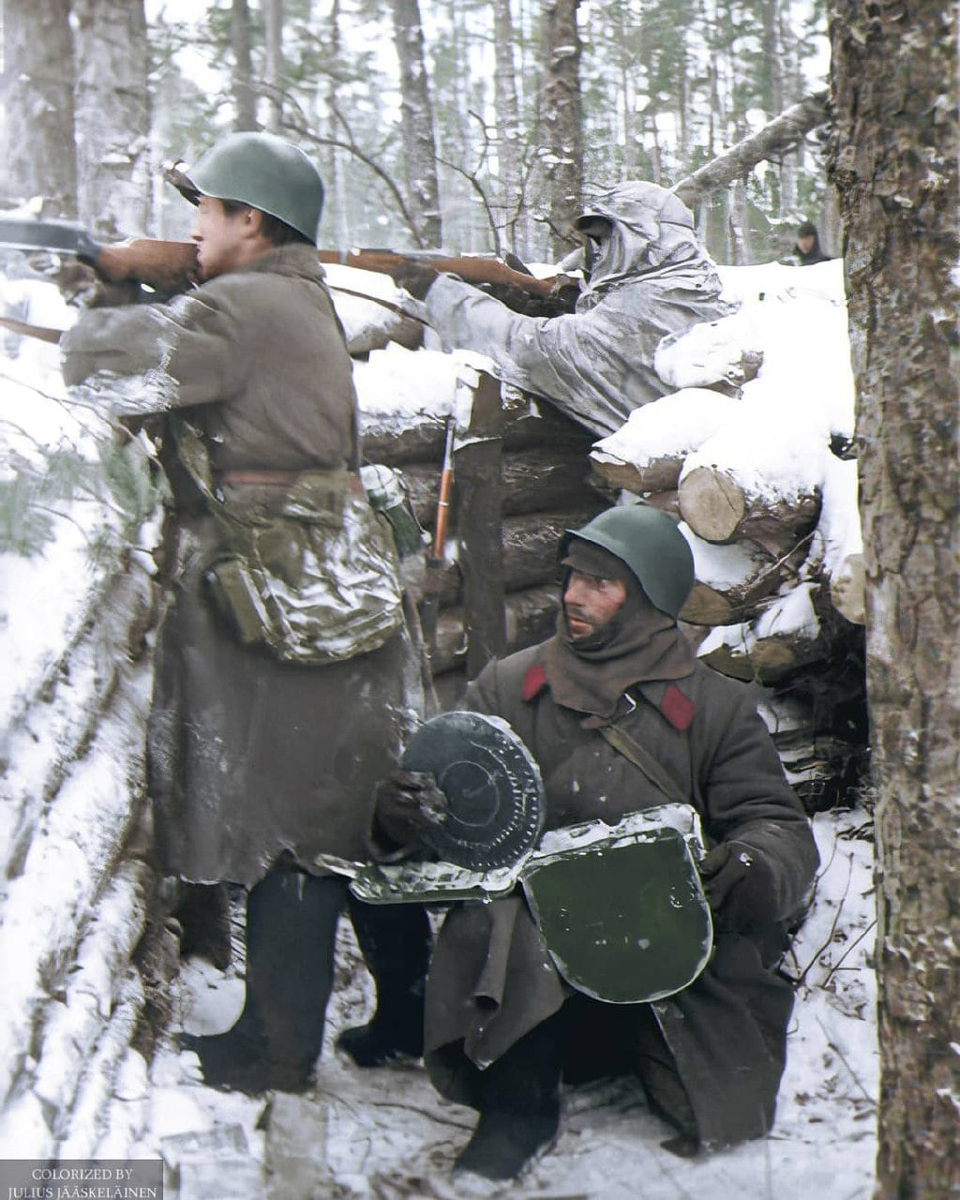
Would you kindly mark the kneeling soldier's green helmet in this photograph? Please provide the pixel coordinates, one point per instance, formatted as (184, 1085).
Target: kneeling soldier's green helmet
(650, 544)
(264, 171)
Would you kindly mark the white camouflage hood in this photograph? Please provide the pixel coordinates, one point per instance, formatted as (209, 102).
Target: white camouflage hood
(651, 231)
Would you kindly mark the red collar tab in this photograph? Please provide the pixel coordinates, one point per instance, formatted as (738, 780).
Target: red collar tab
(677, 708)
(534, 682)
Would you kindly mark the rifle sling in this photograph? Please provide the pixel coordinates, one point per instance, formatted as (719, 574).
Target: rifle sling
(633, 752)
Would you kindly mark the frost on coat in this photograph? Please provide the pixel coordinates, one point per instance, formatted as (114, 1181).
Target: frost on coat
(249, 758)
(649, 278)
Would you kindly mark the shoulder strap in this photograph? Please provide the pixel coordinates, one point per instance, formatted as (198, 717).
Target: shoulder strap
(195, 460)
(631, 750)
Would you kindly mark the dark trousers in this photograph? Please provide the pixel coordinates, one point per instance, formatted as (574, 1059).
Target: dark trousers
(291, 939)
(395, 941)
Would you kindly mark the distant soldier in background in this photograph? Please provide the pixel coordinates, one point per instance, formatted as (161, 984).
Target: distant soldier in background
(807, 249)
(285, 680)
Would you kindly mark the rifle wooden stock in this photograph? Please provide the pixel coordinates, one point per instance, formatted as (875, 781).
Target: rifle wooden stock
(166, 266)
(473, 270)
(172, 266)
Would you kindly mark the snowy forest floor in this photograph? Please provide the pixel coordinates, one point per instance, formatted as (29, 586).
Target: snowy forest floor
(385, 1133)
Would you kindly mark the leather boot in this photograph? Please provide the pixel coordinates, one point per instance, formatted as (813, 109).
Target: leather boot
(519, 1103)
(291, 930)
(395, 941)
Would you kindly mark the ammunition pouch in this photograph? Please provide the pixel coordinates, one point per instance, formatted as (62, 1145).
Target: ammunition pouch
(316, 582)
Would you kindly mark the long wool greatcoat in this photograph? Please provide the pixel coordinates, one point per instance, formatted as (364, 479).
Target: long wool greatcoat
(651, 278)
(491, 981)
(249, 757)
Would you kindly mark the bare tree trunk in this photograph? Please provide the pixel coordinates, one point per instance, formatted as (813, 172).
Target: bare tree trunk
(112, 116)
(893, 157)
(507, 108)
(562, 120)
(334, 174)
(738, 224)
(419, 135)
(273, 74)
(38, 97)
(244, 95)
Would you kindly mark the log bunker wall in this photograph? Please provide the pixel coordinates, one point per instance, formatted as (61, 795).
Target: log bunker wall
(84, 988)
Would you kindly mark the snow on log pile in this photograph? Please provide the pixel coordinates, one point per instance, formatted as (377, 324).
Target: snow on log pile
(77, 895)
(748, 454)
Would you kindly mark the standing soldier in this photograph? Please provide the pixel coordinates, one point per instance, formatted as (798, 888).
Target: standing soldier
(285, 677)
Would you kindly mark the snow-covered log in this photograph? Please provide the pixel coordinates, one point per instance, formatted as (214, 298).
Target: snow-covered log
(727, 492)
(722, 355)
(368, 305)
(785, 638)
(838, 542)
(733, 580)
(55, 713)
(73, 1026)
(648, 452)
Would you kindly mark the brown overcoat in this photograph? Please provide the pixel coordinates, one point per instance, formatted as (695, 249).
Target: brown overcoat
(248, 756)
(491, 980)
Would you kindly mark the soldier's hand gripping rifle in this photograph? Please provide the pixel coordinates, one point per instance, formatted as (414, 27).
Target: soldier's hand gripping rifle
(475, 269)
(167, 267)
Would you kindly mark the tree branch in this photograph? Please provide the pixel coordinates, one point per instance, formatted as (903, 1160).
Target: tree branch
(775, 137)
(351, 148)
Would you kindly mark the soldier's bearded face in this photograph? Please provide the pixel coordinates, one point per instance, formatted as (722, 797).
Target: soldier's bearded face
(590, 601)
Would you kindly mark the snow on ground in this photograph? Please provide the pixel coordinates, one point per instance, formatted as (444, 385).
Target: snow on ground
(384, 1133)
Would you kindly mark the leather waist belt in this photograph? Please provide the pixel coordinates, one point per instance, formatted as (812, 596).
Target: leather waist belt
(278, 478)
(281, 478)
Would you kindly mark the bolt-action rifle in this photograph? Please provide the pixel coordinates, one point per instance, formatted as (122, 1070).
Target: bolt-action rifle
(171, 267)
(167, 267)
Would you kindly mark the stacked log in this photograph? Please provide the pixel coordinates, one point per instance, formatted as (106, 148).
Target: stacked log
(767, 512)
(545, 485)
(84, 993)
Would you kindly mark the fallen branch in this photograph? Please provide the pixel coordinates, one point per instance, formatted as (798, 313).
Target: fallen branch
(774, 138)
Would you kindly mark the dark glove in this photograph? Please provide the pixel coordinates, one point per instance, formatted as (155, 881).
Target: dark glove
(408, 802)
(740, 886)
(415, 278)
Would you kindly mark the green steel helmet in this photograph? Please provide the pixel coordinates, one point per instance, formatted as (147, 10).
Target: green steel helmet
(264, 171)
(650, 544)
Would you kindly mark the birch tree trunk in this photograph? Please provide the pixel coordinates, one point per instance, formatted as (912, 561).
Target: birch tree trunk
(507, 109)
(417, 126)
(561, 120)
(893, 157)
(273, 73)
(329, 101)
(112, 116)
(38, 97)
(241, 81)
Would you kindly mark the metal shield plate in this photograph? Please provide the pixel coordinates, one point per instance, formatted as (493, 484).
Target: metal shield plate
(492, 785)
(624, 917)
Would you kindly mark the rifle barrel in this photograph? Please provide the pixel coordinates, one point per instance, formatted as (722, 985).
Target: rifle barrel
(474, 269)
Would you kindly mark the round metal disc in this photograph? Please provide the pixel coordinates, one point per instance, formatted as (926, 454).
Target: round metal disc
(492, 786)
